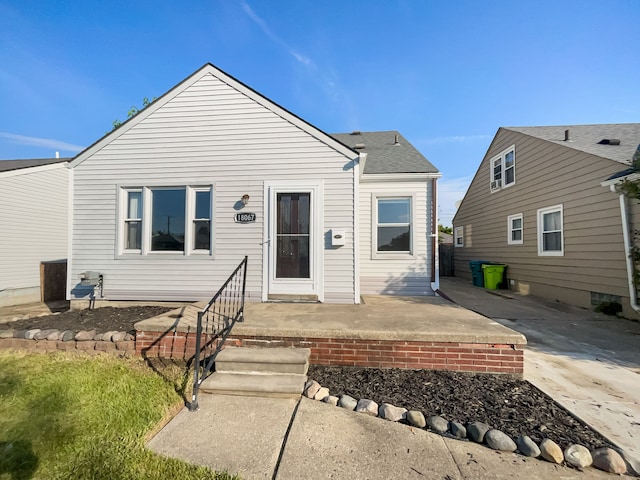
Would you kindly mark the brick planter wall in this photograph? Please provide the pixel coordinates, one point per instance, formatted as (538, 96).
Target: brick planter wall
(456, 356)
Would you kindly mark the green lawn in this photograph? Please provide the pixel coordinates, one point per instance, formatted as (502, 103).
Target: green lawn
(66, 416)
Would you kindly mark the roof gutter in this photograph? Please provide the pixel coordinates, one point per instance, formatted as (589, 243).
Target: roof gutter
(628, 243)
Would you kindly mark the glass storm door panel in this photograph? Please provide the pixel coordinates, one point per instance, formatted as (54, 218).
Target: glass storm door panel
(293, 235)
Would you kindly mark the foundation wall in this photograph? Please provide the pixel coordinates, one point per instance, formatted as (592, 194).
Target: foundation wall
(453, 356)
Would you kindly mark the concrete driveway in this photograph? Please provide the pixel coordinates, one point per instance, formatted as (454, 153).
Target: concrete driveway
(588, 362)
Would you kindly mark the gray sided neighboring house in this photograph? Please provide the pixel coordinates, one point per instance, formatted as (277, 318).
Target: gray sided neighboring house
(538, 204)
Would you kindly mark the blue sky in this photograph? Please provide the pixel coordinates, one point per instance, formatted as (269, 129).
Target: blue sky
(446, 74)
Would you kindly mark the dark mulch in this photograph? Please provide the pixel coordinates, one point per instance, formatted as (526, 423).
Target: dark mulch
(514, 406)
(102, 319)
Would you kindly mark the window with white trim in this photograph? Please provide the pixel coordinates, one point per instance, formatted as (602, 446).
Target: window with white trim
(165, 220)
(133, 220)
(393, 219)
(550, 231)
(503, 169)
(515, 228)
(458, 236)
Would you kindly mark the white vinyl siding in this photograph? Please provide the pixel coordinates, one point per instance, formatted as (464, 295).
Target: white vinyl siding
(515, 229)
(396, 273)
(34, 219)
(550, 234)
(458, 237)
(209, 133)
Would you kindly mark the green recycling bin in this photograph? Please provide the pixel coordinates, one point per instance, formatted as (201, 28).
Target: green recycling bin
(493, 275)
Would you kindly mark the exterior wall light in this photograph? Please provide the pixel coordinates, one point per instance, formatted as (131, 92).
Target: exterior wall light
(245, 199)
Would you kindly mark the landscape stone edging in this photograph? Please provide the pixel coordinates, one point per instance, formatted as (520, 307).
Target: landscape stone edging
(608, 459)
(87, 341)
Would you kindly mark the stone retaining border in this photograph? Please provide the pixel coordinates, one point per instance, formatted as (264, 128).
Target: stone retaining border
(577, 456)
(115, 343)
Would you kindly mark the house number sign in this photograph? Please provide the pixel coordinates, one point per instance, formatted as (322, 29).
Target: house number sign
(245, 217)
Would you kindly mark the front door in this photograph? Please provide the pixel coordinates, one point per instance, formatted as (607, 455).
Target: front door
(293, 241)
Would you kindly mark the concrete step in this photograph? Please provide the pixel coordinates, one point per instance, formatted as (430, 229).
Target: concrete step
(254, 384)
(263, 360)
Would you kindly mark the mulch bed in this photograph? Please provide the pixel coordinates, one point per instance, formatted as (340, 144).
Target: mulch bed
(102, 319)
(514, 406)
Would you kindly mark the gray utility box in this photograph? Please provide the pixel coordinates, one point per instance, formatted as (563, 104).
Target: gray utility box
(89, 279)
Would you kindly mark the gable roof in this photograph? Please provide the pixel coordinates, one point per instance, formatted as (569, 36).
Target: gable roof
(384, 155)
(10, 165)
(209, 69)
(586, 137)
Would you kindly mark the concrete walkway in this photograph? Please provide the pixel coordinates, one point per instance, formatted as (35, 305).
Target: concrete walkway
(587, 362)
(288, 439)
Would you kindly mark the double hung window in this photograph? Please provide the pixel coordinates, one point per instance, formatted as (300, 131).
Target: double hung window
(550, 231)
(393, 224)
(515, 228)
(503, 169)
(160, 220)
(458, 237)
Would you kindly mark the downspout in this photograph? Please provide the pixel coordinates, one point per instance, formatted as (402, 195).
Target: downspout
(628, 246)
(358, 170)
(435, 251)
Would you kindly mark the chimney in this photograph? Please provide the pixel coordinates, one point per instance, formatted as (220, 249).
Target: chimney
(566, 135)
(395, 141)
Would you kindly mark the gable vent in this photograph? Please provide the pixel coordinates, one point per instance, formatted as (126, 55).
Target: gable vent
(609, 141)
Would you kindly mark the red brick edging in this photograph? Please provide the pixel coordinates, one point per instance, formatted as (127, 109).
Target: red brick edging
(455, 356)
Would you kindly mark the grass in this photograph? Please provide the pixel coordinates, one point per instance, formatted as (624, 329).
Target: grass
(66, 416)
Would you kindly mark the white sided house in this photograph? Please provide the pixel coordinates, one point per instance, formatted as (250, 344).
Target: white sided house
(34, 219)
(168, 204)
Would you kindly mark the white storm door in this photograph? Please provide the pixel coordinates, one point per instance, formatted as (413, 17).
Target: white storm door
(294, 244)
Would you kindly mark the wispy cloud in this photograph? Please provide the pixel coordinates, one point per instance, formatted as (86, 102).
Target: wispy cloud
(41, 142)
(450, 192)
(455, 139)
(269, 33)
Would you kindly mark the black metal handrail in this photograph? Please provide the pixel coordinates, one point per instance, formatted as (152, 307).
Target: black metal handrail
(215, 321)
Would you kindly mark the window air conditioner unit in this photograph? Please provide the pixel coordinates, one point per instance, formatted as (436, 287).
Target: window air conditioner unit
(496, 184)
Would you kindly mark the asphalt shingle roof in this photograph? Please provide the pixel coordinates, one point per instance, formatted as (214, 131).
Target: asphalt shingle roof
(384, 156)
(8, 165)
(586, 137)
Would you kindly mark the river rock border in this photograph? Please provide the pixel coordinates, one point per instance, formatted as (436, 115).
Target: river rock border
(577, 456)
(88, 341)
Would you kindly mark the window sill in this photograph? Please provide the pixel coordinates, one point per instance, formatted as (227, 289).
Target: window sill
(393, 256)
(164, 256)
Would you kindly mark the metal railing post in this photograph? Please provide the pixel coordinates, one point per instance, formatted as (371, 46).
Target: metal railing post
(193, 406)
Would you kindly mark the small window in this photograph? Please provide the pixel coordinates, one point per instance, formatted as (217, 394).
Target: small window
(458, 237)
(503, 169)
(133, 220)
(515, 228)
(202, 220)
(393, 229)
(550, 234)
